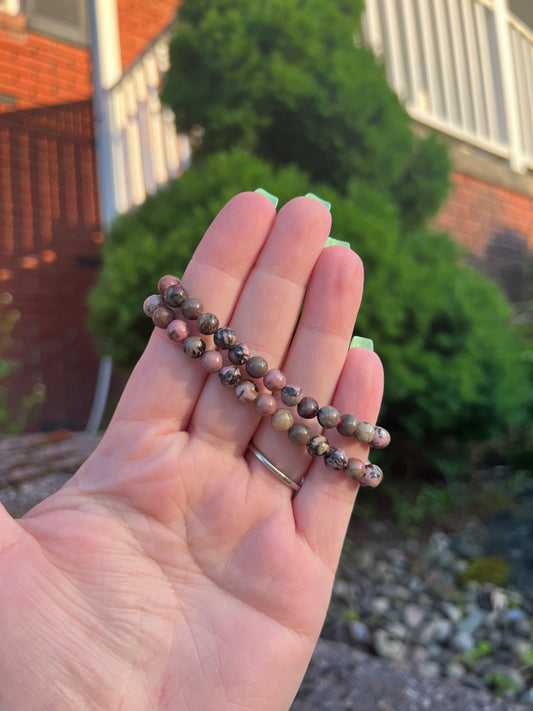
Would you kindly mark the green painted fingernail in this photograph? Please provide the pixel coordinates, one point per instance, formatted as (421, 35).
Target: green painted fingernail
(359, 342)
(273, 199)
(331, 241)
(324, 202)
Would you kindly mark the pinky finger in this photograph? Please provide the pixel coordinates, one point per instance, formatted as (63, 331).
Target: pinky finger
(324, 505)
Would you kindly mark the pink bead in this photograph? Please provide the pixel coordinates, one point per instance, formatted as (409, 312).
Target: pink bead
(274, 380)
(165, 282)
(265, 404)
(151, 303)
(212, 361)
(381, 438)
(372, 477)
(246, 391)
(178, 330)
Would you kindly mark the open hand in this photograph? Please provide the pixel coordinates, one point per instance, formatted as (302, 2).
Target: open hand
(174, 571)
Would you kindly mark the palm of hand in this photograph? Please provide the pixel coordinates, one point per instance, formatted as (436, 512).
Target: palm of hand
(173, 571)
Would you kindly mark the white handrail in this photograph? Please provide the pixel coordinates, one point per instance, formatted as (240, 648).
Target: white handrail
(463, 67)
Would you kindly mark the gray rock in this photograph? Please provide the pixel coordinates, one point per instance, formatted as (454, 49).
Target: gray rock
(436, 630)
(413, 615)
(527, 698)
(455, 671)
(380, 605)
(462, 641)
(360, 634)
(389, 647)
(453, 612)
(429, 670)
(397, 630)
(473, 620)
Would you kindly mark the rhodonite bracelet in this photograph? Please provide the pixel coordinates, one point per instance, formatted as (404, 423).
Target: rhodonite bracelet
(174, 310)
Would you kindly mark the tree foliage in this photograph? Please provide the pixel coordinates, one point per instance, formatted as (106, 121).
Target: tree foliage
(291, 82)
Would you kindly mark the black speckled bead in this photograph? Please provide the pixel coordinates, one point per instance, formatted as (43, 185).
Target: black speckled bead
(256, 367)
(308, 408)
(299, 434)
(207, 324)
(225, 338)
(336, 458)
(194, 346)
(239, 354)
(372, 476)
(175, 295)
(291, 395)
(162, 316)
(328, 416)
(365, 432)
(282, 420)
(191, 308)
(246, 391)
(381, 438)
(347, 426)
(230, 375)
(318, 446)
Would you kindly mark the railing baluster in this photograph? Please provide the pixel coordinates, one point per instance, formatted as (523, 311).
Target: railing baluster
(447, 68)
(373, 25)
(491, 109)
(480, 126)
(413, 56)
(458, 47)
(434, 85)
(134, 144)
(395, 49)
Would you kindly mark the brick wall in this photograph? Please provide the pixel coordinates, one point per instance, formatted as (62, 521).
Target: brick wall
(49, 253)
(495, 225)
(476, 211)
(40, 71)
(140, 23)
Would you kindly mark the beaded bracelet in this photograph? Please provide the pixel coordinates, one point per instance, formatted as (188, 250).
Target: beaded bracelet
(173, 297)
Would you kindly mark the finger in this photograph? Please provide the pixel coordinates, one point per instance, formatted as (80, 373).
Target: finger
(324, 505)
(165, 383)
(265, 316)
(318, 351)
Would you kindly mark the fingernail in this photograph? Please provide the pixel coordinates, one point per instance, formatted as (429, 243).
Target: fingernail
(273, 199)
(324, 202)
(331, 241)
(359, 342)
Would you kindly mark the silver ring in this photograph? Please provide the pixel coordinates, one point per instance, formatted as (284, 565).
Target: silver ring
(281, 476)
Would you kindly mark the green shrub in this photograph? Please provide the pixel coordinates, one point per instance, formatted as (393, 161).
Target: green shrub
(451, 360)
(286, 81)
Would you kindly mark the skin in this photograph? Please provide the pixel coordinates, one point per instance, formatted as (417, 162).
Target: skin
(174, 571)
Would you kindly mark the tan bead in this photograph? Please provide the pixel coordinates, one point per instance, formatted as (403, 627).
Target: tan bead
(355, 469)
(265, 404)
(163, 316)
(364, 432)
(282, 420)
(299, 434)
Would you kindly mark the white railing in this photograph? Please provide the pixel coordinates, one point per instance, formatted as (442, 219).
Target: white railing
(463, 67)
(146, 150)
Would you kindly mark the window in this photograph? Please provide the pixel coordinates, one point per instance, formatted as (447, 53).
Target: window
(64, 19)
